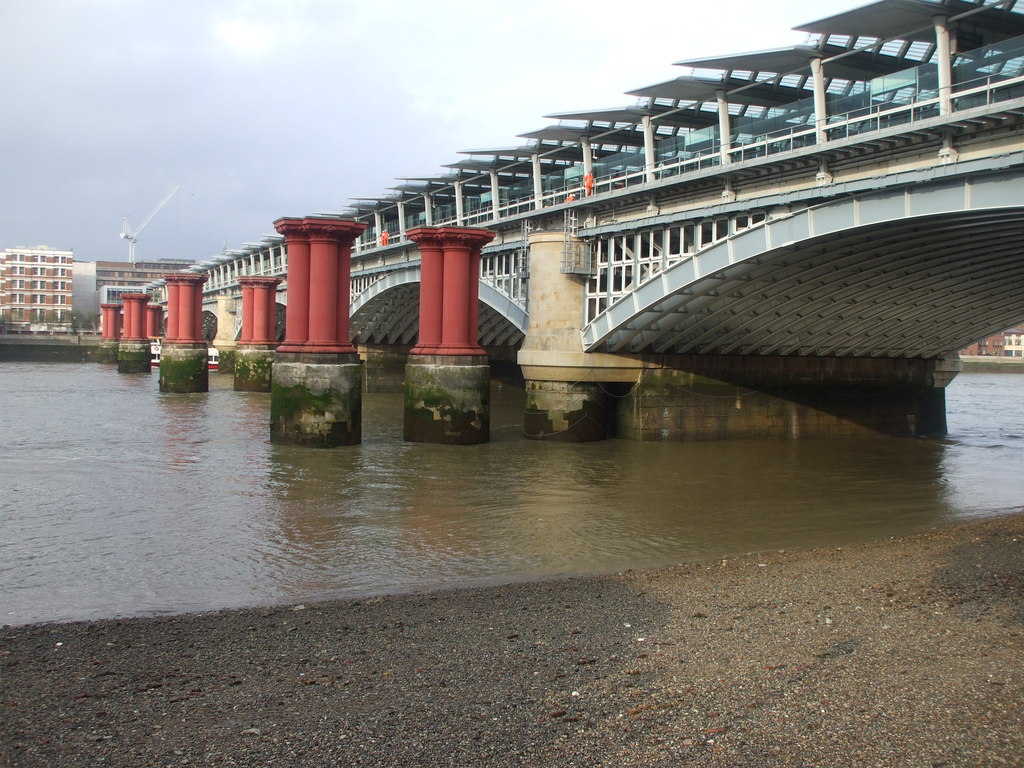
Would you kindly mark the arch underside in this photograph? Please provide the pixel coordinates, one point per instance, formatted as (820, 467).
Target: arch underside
(914, 287)
(390, 315)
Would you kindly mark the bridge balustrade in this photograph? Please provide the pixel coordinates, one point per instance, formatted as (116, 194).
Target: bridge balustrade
(624, 261)
(360, 282)
(507, 272)
(895, 99)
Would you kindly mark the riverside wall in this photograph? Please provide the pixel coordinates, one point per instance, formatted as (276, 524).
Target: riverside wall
(44, 348)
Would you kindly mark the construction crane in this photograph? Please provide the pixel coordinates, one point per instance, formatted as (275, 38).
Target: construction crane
(133, 236)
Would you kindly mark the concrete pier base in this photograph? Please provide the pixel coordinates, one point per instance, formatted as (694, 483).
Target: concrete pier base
(253, 367)
(316, 399)
(133, 357)
(183, 367)
(567, 412)
(106, 351)
(730, 397)
(447, 399)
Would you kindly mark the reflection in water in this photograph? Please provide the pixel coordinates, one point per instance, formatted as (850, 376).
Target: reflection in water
(131, 501)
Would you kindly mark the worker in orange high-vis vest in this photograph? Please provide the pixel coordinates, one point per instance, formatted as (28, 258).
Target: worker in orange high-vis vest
(384, 237)
(588, 182)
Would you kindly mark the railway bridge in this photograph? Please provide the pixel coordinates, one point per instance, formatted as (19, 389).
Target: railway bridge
(785, 243)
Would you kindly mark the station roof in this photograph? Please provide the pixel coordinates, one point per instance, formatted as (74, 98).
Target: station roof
(371, 204)
(558, 133)
(852, 65)
(469, 180)
(878, 38)
(740, 91)
(611, 115)
(519, 153)
(549, 154)
(912, 20)
(607, 136)
(472, 164)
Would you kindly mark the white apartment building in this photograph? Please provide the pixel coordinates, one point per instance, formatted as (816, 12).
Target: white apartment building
(1013, 342)
(35, 287)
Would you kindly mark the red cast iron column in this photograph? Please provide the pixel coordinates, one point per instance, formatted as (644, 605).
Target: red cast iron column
(111, 321)
(183, 311)
(474, 290)
(323, 294)
(265, 318)
(455, 335)
(173, 297)
(330, 253)
(431, 247)
(345, 238)
(461, 290)
(184, 308)
(134, 316)
(297, 312)
(197, 310)
(248, 309)
(259, 305)
(153, 320)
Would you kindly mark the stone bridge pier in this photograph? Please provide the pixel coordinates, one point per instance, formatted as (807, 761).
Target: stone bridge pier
(447, 378)
(572, 395)
(317, 378)
(183, 363)
(254, 355)
(133, 354)
(110, 332)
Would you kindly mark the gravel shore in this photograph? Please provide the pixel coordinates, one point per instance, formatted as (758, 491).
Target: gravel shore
(900, 652)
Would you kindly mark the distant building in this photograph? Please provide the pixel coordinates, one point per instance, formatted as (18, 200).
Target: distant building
(123, 275)
(84, 298)
(1013, 342)
(107, 280)
(40, 287)
(36, 288)
(1008, 343)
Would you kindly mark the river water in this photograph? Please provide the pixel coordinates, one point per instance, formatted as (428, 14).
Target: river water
(118, 500)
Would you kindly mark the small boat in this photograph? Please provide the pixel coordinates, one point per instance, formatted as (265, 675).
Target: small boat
(212, 356)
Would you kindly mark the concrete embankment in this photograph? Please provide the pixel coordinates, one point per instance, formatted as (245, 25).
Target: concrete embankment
(896, 652)
(48, 349)
(992, 364)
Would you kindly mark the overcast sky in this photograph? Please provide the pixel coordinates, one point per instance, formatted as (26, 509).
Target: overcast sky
(266, 108)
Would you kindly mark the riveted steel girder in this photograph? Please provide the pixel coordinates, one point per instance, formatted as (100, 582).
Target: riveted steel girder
(911, 270)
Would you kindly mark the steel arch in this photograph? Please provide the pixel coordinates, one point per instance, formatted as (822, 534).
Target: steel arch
(909, 271)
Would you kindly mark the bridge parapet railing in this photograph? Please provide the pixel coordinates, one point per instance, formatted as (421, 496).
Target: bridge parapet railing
(896, 99)
(621, 263)
(361, 281)
(507, 271)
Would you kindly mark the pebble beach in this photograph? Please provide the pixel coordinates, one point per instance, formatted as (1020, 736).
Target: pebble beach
(899, 652)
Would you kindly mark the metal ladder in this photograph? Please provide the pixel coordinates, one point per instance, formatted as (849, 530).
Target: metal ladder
(576, 258)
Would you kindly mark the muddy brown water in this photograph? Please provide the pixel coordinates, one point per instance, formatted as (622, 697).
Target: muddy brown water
(118, 500)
